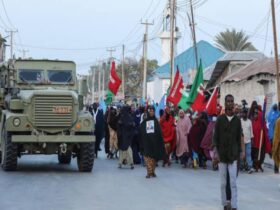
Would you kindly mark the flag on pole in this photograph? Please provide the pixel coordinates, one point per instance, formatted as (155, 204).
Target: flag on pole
(183, 103)
(196, 84)
(115, 81)
(199, 103)
(113, 85)
(175, 94)
(211, 106)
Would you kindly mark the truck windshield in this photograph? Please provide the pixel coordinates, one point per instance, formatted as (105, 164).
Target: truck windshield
(31, 75)
(60, 76)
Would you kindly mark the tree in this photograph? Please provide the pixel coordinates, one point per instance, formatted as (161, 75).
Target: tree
(134, 75)
(232, 40)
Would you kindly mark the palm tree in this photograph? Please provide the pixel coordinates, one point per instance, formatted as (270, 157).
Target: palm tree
(232, 40)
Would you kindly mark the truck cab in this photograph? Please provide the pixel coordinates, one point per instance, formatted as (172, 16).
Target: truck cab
(41, 113)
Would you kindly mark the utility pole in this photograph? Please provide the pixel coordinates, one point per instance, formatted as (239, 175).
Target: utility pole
(11, 40)
(145, 52)
(123, 81)
(111, 50)
(172, 29)
(23, 51)
(93, 84)
(99, 81)
(192, 24)
(103, 79)
(275, 48)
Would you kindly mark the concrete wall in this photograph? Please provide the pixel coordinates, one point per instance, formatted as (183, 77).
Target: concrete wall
(251, 90)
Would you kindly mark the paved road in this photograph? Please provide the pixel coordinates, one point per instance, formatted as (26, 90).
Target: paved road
(41, 184)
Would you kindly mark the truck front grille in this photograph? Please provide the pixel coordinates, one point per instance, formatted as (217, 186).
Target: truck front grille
(53, 111)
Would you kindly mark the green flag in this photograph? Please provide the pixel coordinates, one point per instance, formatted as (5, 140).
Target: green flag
(109, 97)
(183, 103)
(198, 80)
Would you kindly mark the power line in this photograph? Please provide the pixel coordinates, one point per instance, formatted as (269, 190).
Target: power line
(6, 13)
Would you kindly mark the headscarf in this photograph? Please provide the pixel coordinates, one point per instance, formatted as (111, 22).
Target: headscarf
(272, 116)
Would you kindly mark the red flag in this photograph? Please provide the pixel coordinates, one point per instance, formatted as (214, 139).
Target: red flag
(211, 106)
(115, 81)
(175, 92)
(199, 102)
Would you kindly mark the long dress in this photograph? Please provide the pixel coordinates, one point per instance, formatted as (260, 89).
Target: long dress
(126, 132)
(206, 143)
(195, 137)
(256, 147)
(113, 124)
(152, 146)
(168, 133)
(106, 132)
(182, 131)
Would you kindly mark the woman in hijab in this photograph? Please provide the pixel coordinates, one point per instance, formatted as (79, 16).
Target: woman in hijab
(195, 137)
(254, 106)
(113, 124)
(272, 117)
(256, 147)
(126, 127)
(152, 146)
(167, 124)
(183, 128)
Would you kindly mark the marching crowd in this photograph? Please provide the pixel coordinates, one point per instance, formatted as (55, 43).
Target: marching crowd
(179, 136)
(236, 138)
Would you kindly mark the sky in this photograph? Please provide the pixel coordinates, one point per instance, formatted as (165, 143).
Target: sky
(83, 30)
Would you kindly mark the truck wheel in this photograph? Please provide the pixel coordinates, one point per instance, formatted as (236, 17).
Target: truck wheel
(9, 153)
(64, 158)
(85, 157)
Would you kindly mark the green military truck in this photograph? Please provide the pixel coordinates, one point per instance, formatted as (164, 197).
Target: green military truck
(41, 113)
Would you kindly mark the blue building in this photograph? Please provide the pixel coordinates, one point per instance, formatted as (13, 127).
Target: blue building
(185, 61)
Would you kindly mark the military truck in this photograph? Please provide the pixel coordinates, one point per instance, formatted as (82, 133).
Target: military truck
(40, 113)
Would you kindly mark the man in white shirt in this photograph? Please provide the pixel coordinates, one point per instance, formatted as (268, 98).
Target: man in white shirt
(248, 135)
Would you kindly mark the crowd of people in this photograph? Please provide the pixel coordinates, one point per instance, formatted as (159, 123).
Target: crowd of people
(236, 138)
(186, 136)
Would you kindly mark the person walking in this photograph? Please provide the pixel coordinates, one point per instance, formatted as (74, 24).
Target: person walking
(272, 117)
(260, 143)
(98, 117)
(183, 128)
(125, 131)
(276, 146)
(152, 146)
(167, 124)
(113, 119)
(248, 136)
(227, 149)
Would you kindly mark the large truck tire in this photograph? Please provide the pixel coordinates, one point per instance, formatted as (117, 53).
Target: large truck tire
(85, 157)
(64, 158)
(9, 153)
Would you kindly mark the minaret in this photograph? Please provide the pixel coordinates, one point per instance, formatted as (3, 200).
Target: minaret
(165, 36)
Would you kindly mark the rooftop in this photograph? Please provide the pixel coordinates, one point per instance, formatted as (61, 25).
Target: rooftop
(261, 66)
(186, 60)
(223, 62)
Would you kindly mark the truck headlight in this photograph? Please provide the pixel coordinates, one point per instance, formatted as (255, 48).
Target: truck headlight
(16, 122)
(86, 123)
